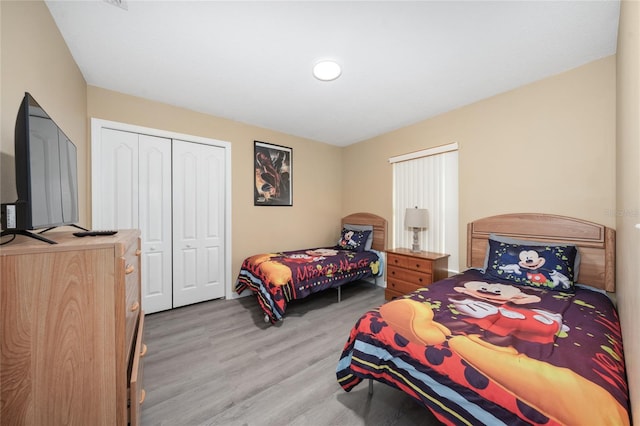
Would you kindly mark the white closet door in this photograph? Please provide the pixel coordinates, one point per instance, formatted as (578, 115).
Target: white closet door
(198, 215)
(155, 222)
(118, 181)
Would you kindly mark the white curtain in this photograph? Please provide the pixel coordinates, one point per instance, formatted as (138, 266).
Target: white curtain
(429, 180)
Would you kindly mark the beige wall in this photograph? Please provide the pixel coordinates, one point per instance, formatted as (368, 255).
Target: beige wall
(35, 59)
(628, 193)
(38, 61)
(314, 218)
(546, 147)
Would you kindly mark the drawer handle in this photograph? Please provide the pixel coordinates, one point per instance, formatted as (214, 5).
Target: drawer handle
(129, 269)
(143, 352)
(135, 307)
(143, 395)
(417, 265)
(138, 252)
(420, 279)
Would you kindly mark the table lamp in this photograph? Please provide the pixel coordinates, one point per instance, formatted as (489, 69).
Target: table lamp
(417, 219)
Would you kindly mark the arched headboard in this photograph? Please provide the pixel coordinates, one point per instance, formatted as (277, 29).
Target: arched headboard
(596, 243)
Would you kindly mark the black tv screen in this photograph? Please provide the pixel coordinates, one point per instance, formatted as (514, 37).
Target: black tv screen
(46, 170)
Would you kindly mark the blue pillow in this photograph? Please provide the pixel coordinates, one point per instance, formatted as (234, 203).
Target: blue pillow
(550, 267)
(369, 242)
(353, 240)
(509, 240)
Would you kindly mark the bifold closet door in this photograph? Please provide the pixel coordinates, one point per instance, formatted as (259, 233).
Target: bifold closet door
(154, 212)
(198, 217)
(135, 192)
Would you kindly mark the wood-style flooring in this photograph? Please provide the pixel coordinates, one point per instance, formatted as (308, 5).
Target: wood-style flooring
(218, 363)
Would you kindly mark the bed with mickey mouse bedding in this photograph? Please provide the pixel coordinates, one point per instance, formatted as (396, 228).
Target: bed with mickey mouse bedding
(280, 277)
(527, 335)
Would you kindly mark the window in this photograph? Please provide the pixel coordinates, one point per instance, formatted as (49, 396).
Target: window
(428, 179)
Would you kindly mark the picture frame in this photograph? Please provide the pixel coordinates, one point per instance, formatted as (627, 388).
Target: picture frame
(273, 174)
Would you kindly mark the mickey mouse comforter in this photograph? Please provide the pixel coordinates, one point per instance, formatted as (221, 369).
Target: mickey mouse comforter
(478, 352)
(277, 278)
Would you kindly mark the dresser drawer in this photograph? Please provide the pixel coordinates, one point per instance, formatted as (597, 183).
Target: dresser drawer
(420, 279)
(413, 263)
(136, 391)
(131, 272)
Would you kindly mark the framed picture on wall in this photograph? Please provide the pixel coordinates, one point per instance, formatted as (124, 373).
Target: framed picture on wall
(272, 175)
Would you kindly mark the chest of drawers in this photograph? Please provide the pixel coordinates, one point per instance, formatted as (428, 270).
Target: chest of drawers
(72, 330)
(408, 271)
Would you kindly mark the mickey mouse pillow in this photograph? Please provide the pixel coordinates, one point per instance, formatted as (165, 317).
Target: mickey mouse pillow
(550, 267)
(352, 240)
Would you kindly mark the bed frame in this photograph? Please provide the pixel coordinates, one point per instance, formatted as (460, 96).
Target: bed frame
(379, 242)
(596, 243)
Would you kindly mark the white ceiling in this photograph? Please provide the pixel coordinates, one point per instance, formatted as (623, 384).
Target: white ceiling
(402, 62)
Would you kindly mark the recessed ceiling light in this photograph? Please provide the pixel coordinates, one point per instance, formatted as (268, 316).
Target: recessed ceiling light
(326, 70)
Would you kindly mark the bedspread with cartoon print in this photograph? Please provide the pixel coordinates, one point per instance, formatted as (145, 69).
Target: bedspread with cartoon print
(478, 352)
(277, 278)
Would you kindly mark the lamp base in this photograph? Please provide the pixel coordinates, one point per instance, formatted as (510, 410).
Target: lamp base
(416, 244)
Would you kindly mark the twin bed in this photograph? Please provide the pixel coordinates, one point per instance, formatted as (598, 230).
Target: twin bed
(527, 335)
(280, 277)
(513, 340)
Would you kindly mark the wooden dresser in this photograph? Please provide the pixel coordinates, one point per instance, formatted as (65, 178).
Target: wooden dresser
(408, 271)
(72, 330)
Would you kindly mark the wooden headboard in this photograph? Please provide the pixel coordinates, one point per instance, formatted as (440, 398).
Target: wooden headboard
(379, 227)
(596, 243)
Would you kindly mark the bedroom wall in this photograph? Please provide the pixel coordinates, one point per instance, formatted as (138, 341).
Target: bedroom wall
(35, 59)
(628, 193)
(38, 61)
(314, 218)
(545, 147)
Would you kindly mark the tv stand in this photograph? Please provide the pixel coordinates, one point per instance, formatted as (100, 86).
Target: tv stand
(26, 233)
(71, 224)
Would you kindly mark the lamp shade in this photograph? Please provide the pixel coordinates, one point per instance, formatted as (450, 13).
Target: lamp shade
(416, 218)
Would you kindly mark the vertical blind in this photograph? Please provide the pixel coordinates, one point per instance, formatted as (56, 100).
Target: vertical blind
(428, 179)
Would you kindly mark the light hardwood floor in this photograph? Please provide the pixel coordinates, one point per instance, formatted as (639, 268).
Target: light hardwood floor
(218, 363)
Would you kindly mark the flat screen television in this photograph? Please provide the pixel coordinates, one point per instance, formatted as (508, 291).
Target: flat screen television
(46, 175)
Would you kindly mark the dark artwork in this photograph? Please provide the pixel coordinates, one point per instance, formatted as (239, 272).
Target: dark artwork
(272, 182)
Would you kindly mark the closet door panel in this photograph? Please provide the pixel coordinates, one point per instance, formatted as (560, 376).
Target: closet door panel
(119, 181)
(155, 222)
(185, 242)
(197, 231)
(212, 217)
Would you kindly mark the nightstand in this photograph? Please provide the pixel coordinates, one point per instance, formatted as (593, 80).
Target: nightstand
(408, 271)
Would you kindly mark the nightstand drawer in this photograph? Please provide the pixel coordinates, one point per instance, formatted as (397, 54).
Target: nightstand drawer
(402, 286)
(414, 263)
(420, 279)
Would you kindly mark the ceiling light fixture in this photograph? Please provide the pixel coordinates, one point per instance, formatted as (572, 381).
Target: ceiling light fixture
(326, 70)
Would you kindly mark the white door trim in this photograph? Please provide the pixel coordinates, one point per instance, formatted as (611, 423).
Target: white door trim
(98, 124)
